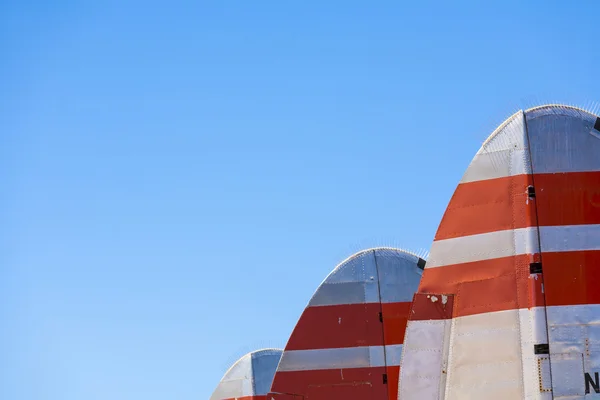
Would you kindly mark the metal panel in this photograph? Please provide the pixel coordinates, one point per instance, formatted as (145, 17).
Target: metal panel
(561, 141)
(568, 368)
(264, 364)
(424, 361)
(397, 283)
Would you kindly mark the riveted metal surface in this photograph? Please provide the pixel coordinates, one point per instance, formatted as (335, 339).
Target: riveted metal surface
(348, 341)
(569, 371)
(560, 140)
(397, 283)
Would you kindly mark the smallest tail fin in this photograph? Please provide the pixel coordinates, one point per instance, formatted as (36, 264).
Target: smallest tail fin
(347, 343)
(250, 377)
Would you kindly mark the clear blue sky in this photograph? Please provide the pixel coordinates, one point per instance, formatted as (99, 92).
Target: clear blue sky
(177, 179)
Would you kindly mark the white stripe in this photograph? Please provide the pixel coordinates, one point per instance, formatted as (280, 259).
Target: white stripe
(499, 164)
(350, 357)
(393, 354)
(536, 367)
(342, 293)
(483, 247)
(512, 242)
(570, 238)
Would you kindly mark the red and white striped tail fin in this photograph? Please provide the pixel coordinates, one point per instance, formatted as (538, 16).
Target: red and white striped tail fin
(250, 377)
(348, 341)
(514, 258)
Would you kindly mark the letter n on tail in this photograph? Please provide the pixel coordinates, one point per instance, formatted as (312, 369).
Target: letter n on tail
(595, 383)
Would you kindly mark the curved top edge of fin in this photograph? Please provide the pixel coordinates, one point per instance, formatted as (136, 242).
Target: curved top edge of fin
(546, 109)
(376, 249)
(539, 111)
(501, 127)
(337, 275)
(408, 255)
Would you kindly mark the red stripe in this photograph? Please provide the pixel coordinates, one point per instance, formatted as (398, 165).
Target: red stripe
(347, 384)
(572, 278)
(486, 286)
(347, 325)
(393, 376)
(488, 206)
(320, 327)
(424, 307)
(568, 198)
(502, 203)
(395, 316)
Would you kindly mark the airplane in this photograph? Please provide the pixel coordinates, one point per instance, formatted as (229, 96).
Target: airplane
(509, 302)
(250, 377)
(348, 340)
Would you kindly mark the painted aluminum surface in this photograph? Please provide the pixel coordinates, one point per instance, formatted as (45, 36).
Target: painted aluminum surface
(250, 377)
(517, 255)
(348, 341)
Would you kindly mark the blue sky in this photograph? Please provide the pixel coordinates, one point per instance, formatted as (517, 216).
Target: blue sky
(178, 178)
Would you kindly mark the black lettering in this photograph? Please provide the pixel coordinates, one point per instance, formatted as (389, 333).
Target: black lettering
(595, 383)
